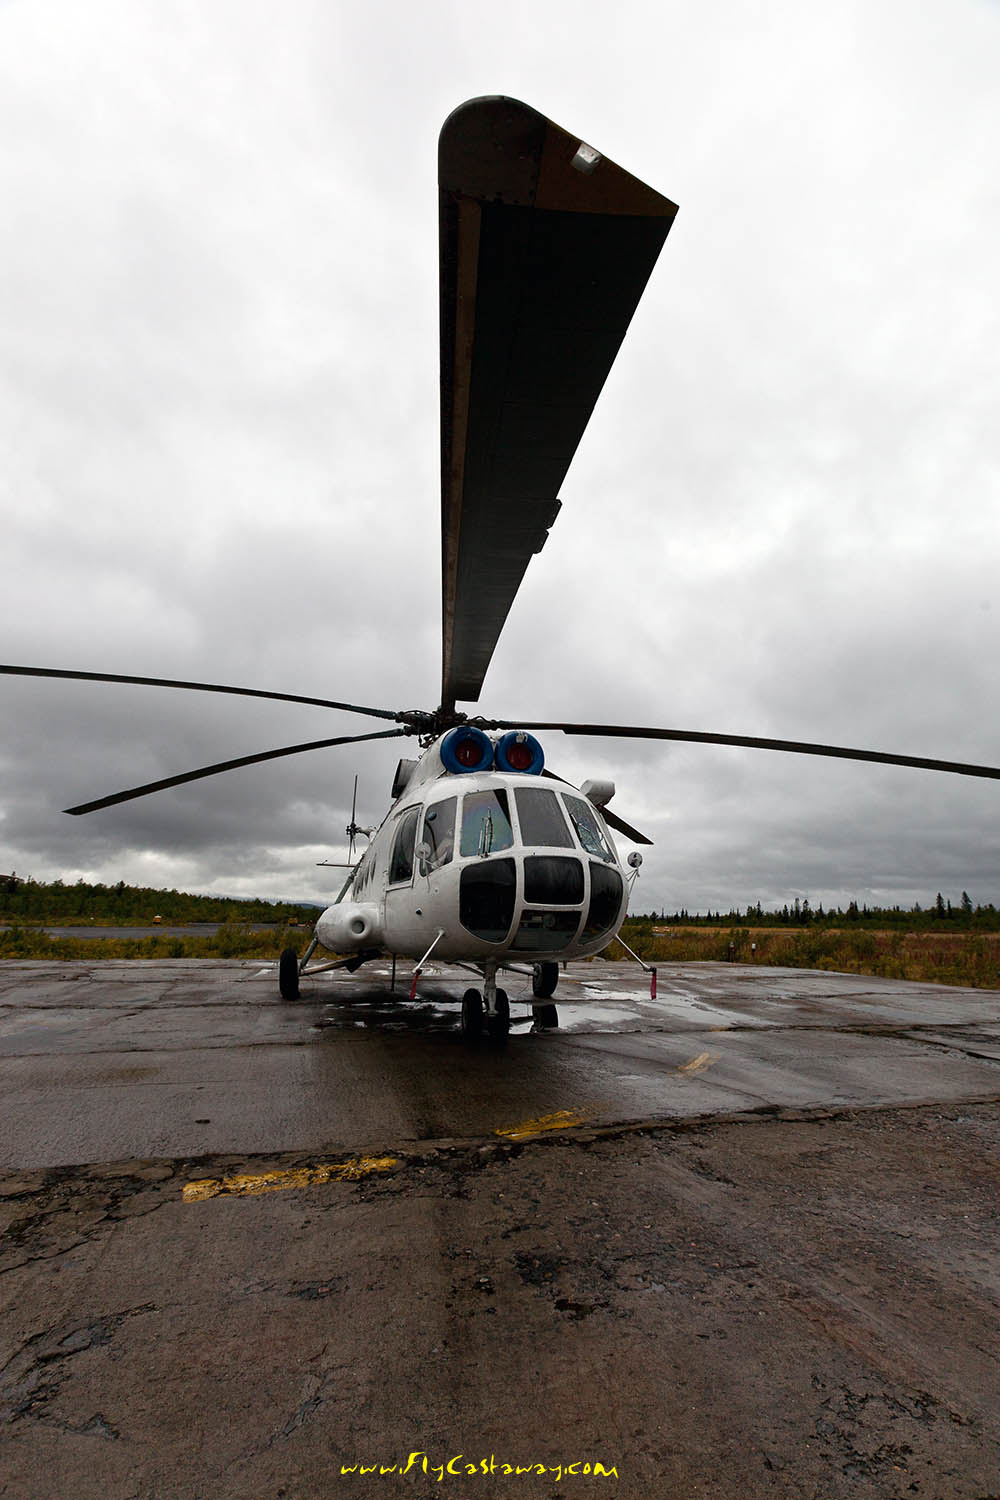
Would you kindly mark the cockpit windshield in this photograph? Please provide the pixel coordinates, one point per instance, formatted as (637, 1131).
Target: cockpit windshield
(541, 819)
(588, 829)
(485, 823)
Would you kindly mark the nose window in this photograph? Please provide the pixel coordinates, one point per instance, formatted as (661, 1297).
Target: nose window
(486, 899)
(545, 931)
(553, 879)
(605, 900)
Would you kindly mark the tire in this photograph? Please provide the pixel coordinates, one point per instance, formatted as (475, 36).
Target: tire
(499, 1024)
(544, 978)
(472, 1015)
(288, 974)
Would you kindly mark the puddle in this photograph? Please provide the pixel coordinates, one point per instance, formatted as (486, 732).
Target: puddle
(580, 1016)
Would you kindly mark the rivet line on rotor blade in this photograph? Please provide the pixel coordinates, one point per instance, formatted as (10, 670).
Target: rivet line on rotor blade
(229, 765)
(794, 747)
(199, 687)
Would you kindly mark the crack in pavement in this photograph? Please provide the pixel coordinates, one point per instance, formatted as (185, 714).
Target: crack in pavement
(34, 1373)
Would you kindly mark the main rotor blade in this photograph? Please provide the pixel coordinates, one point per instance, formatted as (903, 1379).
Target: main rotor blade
(795, 747)
(611, 818)
(199, 687)
(228, 765)
(546, 247)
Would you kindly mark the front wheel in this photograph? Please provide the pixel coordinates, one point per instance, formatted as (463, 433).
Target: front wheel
(544, 978)
(288, 974)
(472, 1015)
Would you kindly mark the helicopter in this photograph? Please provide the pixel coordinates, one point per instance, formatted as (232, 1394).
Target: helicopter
(486, 858)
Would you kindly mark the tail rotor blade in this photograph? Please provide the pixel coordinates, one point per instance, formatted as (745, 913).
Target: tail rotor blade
(353, 829)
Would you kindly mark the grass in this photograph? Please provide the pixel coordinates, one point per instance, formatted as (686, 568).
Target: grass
(962, 958)
(233, 940)
(966, 958)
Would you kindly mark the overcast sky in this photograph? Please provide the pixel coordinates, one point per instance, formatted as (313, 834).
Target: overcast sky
(219, 429)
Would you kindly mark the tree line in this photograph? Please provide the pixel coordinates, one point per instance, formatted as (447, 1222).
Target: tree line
(941, 915)
(57, 903)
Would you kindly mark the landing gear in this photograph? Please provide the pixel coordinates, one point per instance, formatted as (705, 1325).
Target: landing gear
(472, 1015)
(544, 978)
(489, 1012)
(546, 1017)
(288, 974)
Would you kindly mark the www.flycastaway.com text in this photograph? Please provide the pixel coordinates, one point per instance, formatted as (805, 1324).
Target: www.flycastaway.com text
(460, 1466)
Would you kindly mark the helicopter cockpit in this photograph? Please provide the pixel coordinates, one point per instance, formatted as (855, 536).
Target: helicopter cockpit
(534, 867)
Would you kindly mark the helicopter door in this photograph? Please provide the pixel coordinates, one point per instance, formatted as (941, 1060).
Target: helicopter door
(403, 928)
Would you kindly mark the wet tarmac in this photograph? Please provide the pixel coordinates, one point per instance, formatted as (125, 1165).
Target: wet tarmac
(108, 1061)
(737, 1240)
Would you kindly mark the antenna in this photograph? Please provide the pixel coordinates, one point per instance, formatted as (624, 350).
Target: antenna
(352, 830)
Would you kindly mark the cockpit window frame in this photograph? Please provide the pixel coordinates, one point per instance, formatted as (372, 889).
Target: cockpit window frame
(432, 812)
(538, 792)
(405, 824)
(606, 850)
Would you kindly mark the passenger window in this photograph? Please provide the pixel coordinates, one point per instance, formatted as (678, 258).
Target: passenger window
(588, 829)
(541, 818)
(401, 864)
(439, 832)
(485, 823)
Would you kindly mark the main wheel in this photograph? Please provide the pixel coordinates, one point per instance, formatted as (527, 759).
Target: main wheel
(544, 978)
(546, 1017)
(288, 974)
(499, 1024)
(472, 1015)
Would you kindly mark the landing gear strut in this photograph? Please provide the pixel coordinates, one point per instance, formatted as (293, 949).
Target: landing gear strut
(544, 978)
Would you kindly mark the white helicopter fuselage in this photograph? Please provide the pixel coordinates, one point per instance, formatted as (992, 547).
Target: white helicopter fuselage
(487, 865)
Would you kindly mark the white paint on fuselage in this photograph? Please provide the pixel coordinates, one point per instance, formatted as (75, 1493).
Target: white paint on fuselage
(414, 911)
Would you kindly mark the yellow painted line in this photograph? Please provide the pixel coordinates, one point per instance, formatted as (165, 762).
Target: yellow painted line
(562, 1119)
(250, 1184)
(696, 1065)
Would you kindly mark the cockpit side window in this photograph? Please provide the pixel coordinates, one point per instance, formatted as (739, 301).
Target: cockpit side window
(401, 864)
(485, 823)
(439, 832)
(588, 829)
(363, 873)
(541, 819)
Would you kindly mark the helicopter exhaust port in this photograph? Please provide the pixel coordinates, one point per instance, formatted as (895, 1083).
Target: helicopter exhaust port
(466, 749)
(350, 925)
(520, 752)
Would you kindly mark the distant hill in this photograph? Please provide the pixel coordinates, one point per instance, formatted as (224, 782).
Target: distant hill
(127, 905)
